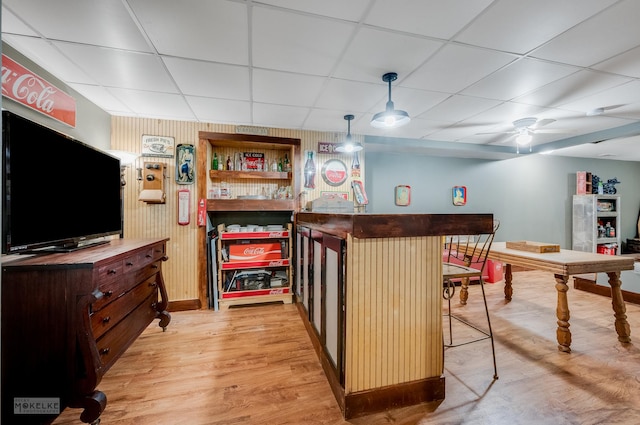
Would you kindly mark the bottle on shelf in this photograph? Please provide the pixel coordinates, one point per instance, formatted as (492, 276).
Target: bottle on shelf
(240, 165)
(309, 172)
(287, 163)
(279, 164)
(214, 161)
(229, 163)
(274, 165)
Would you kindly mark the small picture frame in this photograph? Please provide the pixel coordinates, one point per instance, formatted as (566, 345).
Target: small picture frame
(403, 195)
(459, 194)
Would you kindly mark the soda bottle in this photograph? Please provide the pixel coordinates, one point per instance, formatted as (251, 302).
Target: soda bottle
(309, 172)
(214, 161)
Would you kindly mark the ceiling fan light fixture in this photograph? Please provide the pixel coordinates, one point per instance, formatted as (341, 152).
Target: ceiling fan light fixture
(524, 138)
(390, 117)
(348, 145)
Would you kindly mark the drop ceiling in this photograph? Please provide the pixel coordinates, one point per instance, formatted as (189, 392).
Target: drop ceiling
(466, 69)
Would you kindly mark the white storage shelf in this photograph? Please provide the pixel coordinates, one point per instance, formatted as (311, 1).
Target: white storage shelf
(591, 211)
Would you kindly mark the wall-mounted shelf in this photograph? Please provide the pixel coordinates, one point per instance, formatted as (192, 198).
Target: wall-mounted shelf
(223, 174)
(250, 205)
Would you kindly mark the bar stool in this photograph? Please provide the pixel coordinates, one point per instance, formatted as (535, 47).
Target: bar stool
(464, 260)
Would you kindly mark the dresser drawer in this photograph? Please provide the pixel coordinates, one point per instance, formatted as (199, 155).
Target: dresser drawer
(111, 314)
(110, 272)
(112, 289)
(115, 342)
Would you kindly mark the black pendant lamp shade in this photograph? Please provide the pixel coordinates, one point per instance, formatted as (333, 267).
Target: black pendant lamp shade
(390, 117)
(348, 145)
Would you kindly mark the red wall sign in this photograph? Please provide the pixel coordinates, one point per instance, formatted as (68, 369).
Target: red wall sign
(27, 88)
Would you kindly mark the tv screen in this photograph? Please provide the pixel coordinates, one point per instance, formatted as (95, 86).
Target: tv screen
(59, 193)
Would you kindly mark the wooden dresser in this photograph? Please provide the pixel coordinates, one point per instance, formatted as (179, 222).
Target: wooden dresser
(68, 317)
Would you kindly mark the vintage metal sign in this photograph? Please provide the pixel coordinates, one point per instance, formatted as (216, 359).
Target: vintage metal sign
(27, 88)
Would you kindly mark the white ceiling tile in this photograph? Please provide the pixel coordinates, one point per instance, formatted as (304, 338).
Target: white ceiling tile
(374, 52)
(305, 64)
(455, 67)
(279, 116)
(572, 87)
(612, 32)
(627, 63)
(209, 79)
(104, 23)
(47, 56)
(353, 96)
(220, 111)
(457, 108)
(155, 105)
(297, 43)
(434, 18)
(616, 100)
(351, 10)
(330, 120)
(102, 97)
(208, 30)
(118, 68)
(519, 26)
(11, 24)
(518, 78)
(286, 88)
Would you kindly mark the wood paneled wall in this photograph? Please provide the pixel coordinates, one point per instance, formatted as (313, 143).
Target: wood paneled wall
(394, 300)
(142, 220)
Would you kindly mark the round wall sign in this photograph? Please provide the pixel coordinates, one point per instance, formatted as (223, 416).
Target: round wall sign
(334, 172)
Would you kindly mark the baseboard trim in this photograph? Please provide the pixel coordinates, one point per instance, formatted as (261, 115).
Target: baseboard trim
(184, 305)
(591, 286)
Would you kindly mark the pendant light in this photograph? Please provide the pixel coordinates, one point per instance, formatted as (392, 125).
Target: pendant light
(348, 145)
(390, 117)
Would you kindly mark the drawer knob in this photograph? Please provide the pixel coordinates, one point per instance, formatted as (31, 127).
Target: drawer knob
(153, 284)
(129, 263)
(106, 319)
(154, 266)
(148, 256)
(112, 271)
(105, 351)
(108, 293)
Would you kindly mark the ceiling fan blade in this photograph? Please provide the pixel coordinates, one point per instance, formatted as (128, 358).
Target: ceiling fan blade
(542, 123)
(497, 132)
(549, 131)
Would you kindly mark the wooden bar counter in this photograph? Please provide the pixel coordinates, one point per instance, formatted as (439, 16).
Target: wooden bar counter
(369, 287)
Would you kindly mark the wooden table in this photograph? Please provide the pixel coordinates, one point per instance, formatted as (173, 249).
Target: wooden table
(564, 264)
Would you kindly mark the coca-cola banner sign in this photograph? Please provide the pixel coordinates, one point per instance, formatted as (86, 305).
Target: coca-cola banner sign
(27, 88)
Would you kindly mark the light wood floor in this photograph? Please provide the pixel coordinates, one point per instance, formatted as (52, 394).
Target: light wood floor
(256, 365)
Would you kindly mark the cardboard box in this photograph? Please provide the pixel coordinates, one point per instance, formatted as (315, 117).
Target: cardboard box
(255, 252)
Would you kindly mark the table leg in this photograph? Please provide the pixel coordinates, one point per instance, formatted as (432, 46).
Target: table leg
(508, 277)
(622, 326)
(563, 333)
(464, 290)
(464, 283)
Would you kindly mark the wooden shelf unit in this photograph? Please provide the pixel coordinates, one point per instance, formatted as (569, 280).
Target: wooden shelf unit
(246, 209)
(228, 268)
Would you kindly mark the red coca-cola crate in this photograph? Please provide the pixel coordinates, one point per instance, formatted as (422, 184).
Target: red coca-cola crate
(255, 252)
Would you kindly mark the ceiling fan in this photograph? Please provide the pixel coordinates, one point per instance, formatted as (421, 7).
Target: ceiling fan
(525, 128)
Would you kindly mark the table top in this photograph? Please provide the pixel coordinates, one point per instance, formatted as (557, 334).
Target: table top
(566, 262)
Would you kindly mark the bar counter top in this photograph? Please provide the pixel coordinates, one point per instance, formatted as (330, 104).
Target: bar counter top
(365, 225)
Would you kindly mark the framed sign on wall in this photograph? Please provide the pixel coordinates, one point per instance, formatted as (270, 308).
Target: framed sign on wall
(403, 195)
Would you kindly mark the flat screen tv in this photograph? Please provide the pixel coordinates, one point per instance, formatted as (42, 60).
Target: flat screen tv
(59, 194)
